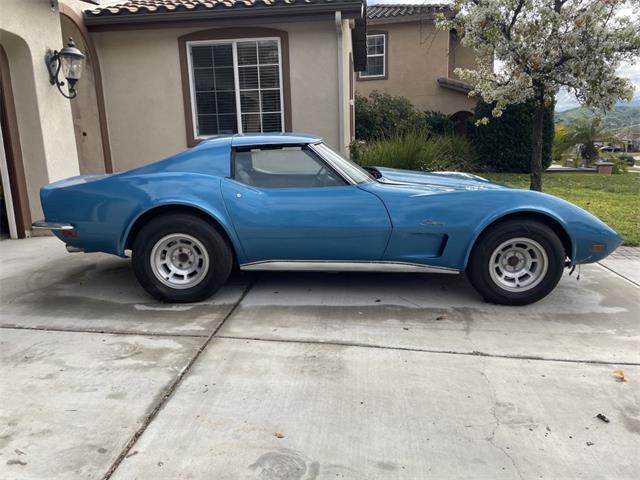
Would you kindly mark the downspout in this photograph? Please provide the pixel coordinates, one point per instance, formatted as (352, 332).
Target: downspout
(342, 146)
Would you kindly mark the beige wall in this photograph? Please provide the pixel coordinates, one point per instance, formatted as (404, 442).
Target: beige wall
(417, 56)
(84, 108)
(461, 56)
(27, 29)
(143, 88)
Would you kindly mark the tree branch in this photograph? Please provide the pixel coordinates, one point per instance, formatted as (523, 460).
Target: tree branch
(558, 4)
(516, 12)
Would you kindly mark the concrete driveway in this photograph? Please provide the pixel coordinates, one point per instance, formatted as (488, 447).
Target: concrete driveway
(312, 376)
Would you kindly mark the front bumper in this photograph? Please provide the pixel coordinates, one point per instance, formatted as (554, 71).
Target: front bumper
(57, 226)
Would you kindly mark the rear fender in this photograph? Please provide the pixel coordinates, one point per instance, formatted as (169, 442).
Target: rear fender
(216, 214)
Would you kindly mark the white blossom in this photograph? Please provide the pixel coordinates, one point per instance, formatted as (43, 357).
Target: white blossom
(543, 45)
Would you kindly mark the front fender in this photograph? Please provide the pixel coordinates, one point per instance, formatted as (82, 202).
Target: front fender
(461, 215)
(582, 228)
(497, 216)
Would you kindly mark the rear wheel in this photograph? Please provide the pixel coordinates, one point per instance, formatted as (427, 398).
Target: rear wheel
(181, 258)
(516, 263)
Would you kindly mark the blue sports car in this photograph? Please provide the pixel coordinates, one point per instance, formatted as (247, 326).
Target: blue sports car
(289, 202)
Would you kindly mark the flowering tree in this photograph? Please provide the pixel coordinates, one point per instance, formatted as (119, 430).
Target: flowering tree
(543, 45)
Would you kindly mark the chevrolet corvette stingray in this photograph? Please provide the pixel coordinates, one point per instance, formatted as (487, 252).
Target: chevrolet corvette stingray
(289, 202)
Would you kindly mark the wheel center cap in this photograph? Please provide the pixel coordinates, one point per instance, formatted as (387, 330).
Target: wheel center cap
(183, 257)
(513, 261)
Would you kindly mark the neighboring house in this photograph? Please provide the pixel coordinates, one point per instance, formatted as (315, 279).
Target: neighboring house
(409, 57)
(161, 75)
(629, 136)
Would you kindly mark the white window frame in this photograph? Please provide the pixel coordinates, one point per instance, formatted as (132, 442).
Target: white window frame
(234, 43)
(383, 55)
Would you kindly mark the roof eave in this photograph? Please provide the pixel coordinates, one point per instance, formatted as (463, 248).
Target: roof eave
(349, 9)
(455, 85)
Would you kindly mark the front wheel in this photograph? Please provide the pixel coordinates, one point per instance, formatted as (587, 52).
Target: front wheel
(516, 263)
(181, 258)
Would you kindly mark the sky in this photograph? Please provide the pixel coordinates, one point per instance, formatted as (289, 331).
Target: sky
(564, 100)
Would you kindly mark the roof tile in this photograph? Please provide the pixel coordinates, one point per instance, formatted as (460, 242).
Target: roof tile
(381, 11)
(127, 7)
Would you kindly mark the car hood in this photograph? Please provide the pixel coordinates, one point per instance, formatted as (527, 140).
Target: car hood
(442, 181)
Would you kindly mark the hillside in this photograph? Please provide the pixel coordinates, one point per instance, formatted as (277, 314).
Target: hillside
(621, 116)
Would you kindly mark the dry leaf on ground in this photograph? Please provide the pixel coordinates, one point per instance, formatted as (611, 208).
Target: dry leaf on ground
(619, 376)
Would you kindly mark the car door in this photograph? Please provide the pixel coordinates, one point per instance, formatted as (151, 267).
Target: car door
(286, 203)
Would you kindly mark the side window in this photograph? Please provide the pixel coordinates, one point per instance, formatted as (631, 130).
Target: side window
(284, 167)
(376, 57)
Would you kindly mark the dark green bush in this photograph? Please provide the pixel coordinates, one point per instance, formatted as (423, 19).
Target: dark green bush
(504, 144)
(382, 115)
(437, 122)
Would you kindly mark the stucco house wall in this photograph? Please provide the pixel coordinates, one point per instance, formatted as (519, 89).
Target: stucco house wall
(27, 30)
(460, 56)
(417, 55)
(143, 87)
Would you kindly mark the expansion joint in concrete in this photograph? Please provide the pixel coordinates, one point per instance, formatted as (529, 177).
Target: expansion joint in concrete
(474, 353)
(99, 331)
(619, 275)
(171, 388)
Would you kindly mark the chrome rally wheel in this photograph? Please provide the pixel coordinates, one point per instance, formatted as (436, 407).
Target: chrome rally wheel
(518, 265)
(179, 267)
(516, 262)
(179, 261)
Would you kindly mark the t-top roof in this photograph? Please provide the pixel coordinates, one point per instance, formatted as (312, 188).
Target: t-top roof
(248, 139)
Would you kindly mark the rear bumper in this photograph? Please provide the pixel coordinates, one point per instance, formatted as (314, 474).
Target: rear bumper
(66, 231)
(58, 226)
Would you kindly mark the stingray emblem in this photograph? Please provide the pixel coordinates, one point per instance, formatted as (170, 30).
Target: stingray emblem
(428, 221)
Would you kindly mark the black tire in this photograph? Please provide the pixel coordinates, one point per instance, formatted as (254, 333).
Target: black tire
(479, 266)
(211, 278)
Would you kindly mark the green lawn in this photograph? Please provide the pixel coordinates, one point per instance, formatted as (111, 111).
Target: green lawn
(615, 199)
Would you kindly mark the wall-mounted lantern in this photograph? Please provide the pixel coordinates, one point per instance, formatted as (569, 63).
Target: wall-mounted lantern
(70, 60)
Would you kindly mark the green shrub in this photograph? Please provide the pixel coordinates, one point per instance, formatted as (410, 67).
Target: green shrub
(398, 151)
(437, 122)
(504, 144)
(382, 116)
(628, 159)
(448, 152)
(356, 148)
(559, 146)
(619, 163)
(418, 151)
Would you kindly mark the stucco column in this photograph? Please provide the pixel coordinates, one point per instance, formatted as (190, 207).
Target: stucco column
(45, 124)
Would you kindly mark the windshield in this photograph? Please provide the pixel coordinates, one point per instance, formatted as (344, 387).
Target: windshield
(351, 169)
